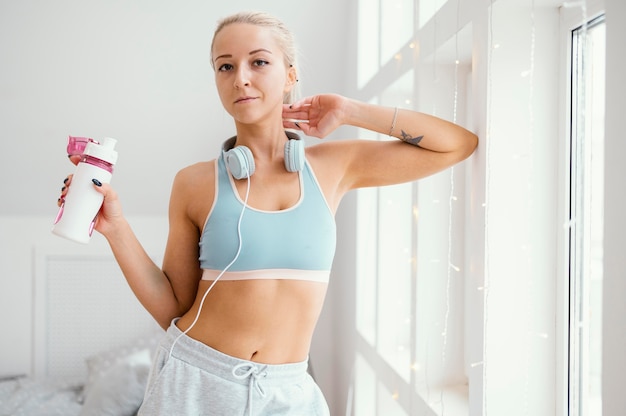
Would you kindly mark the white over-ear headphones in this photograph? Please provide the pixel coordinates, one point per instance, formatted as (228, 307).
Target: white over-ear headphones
(240, 161)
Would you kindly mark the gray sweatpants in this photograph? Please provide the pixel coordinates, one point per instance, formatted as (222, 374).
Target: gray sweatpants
(199, 380)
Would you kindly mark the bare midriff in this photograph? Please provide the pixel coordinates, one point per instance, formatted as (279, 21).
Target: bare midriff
(265, 321)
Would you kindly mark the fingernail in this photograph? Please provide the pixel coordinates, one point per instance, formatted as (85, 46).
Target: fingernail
(290, 105)
(65, 180)
(96, 182)
(297, 125)
(63, 189)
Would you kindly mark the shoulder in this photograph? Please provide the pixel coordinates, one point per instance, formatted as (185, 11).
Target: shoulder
(193, 190)
(197, 173)
(198, 168)
(323, 156)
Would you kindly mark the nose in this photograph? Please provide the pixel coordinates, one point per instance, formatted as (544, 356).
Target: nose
(242, 78)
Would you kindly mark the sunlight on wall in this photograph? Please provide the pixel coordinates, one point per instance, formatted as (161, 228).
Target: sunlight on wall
(428, 9)
(396, 22)
(409, 295)
(369, 41)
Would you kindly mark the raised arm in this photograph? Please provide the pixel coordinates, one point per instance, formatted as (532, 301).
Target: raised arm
(426, 144)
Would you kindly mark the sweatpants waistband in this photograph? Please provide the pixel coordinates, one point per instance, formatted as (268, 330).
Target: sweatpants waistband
(208, 359)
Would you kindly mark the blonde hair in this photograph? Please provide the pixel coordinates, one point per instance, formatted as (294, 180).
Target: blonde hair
(284, 39)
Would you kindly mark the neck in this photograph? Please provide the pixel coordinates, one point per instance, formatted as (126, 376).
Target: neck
(265, 142)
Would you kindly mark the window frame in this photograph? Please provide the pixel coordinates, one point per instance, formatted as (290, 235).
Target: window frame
(572, 19)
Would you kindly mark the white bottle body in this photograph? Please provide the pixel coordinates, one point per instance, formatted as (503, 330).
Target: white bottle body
(76, 218)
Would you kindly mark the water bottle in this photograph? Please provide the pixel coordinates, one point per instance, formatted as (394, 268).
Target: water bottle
(77, 216)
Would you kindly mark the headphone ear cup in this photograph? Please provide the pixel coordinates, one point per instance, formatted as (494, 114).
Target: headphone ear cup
(294, 155)
(240, 162)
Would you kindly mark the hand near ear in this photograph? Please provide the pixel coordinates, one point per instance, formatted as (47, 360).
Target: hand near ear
(315, 116)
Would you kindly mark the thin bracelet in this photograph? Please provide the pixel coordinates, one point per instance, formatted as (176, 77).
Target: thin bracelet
(393, 123)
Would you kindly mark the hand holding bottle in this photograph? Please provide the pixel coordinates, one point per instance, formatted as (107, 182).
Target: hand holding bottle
(81, 204)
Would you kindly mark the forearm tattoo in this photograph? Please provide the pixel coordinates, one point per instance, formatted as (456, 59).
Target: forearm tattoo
(407, 138)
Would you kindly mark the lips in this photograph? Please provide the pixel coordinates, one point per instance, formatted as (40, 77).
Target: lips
(242, 100)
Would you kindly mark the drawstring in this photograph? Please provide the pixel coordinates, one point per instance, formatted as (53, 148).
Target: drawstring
(254, 374)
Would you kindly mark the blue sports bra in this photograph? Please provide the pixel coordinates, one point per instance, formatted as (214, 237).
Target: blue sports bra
(296, 243)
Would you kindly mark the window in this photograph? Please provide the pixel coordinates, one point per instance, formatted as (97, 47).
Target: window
(396, 26)
(369, 41)
(491, 326)
(383, 28)
(410, 294)
(586, 217)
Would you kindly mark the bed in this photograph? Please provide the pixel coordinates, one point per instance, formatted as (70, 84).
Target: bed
(92, 340)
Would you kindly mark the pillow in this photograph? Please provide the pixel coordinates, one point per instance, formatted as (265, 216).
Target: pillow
(104, 360)
(117, 390)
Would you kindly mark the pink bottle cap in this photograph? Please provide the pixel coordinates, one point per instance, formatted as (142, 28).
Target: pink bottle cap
(76, 145)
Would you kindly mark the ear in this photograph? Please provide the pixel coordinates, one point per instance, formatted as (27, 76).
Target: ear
(290, 83)
(292, 75)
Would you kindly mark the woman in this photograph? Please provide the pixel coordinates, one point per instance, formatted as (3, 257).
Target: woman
(252, 234)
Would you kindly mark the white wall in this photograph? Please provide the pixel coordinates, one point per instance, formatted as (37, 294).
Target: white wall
(138, 71)
(135, 71)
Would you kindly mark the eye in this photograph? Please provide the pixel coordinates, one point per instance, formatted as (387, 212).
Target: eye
(225, 67)
(260, 62)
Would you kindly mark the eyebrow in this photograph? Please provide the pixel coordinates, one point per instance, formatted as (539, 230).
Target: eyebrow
(251, 53)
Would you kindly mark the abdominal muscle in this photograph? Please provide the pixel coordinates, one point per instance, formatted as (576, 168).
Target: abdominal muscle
(265, 321)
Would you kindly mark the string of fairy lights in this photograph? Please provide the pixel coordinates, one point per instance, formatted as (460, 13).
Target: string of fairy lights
(451, 199)
(453, 268)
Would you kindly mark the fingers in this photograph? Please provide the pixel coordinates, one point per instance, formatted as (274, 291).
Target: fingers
(100, 187)
(74, 158)
(295, 114)
(295, 124)
(64, 189)
(298, 110)
(289, 124)
(297, 118)
(303, 102)
(105, 189)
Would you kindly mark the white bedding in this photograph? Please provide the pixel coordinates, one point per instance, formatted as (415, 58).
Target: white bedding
(114, 386)
(25, 396)
(92, 340)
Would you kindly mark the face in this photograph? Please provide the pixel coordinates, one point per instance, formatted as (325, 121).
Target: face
(250, 72)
